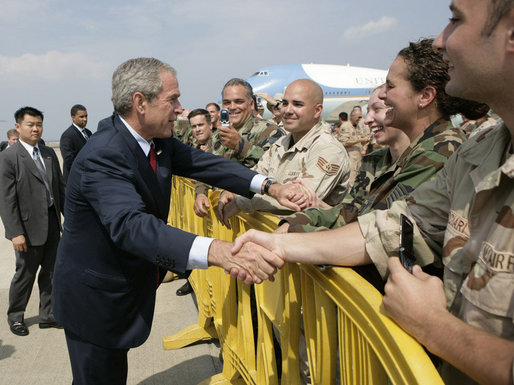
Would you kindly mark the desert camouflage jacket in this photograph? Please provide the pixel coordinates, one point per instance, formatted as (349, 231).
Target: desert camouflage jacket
(317, 158)
(479, 128)
(464, 219)
(381, 181)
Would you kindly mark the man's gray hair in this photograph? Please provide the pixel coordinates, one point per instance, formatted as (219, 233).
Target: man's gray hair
(137, 75)
(240, 82)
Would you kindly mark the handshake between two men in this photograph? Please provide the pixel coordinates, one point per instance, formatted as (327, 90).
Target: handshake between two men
(248, 261)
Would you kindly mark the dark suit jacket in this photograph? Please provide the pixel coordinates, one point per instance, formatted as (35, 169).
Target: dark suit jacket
(23, 204)
(71, 143)
(115, 232)
(3, 145)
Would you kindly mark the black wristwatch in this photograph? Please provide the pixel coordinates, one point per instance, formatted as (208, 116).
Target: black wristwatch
(267, 185)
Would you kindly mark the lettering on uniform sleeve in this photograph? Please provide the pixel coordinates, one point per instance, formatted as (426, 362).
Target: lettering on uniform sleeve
(457, 233)
(327, 168)
(459, 224)
(494, 262)
(502, 261)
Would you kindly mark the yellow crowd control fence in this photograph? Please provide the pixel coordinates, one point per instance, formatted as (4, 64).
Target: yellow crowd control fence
(332, 319)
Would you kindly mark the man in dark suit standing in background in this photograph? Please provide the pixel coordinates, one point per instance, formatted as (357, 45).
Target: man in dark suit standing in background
(32, 191)
(74, 138)
(116, 245)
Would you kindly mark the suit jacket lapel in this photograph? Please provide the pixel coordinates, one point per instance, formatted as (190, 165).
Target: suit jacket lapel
(78, 134)
(47, 159)
(163, 170)
(28, 161)
(144, 168)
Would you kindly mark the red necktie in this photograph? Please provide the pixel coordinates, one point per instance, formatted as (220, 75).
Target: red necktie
(153, 162)
(152, 158)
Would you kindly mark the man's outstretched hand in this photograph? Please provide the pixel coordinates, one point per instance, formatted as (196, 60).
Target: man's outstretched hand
(255, 238)
(251, 263)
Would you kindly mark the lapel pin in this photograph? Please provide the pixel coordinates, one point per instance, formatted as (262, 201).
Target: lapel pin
(159, 152)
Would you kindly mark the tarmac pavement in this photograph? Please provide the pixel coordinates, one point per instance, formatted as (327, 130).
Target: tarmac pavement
(41, 358)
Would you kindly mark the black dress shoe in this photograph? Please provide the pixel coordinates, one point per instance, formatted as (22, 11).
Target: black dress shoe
(19, 329)
(51, 324)
(185, 289)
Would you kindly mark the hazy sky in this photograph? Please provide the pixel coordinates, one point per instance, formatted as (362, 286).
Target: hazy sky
(56, 53)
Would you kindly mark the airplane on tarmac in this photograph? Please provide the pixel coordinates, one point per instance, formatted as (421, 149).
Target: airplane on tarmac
(343, 86)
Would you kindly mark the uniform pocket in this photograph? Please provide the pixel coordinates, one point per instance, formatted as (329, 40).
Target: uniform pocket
(490, 290)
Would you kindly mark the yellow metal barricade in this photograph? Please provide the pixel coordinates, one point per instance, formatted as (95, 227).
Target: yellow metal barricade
(348, 339)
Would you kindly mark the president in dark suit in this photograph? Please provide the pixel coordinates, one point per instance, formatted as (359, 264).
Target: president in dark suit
(74, 138)
(116, 245)
(32, 191)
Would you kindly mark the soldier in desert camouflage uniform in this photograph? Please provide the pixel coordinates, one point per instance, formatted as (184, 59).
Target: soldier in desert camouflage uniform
(463, 219)
(317, 158)
(350, 136)
(244, 141)
(478, 275)
(308, 151)
(363, 131)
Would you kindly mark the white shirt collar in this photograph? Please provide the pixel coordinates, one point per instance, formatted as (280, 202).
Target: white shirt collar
(145, 146)
(29, 147)
(78, 128)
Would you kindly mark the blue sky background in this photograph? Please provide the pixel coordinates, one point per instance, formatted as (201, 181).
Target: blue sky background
(55, 53)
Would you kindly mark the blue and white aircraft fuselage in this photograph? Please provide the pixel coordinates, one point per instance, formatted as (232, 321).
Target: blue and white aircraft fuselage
(343, 85)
